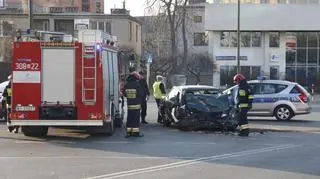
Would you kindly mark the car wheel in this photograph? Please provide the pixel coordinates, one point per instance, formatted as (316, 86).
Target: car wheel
(283, 113)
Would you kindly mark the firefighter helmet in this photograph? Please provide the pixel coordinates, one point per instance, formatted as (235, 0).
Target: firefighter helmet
(238, 78)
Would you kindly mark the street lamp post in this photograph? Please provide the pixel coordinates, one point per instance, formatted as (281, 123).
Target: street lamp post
(238, 38)
(30, 14)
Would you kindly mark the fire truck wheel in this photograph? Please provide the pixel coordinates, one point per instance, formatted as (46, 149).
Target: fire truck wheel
(35, 131)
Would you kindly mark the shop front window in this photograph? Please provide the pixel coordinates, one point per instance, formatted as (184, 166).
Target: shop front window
(312, 56)
(311, 76)
(301, 56)
(291, 74)
(301, 76)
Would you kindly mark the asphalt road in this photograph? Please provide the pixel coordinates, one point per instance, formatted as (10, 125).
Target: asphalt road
(164, 153)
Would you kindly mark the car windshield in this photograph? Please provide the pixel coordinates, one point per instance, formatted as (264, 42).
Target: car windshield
(203, 91)
(210, 100)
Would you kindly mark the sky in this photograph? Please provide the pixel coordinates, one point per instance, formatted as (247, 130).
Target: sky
(136, 7)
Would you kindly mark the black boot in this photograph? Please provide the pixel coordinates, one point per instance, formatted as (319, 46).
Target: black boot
(143, 121)
(128, 134)
(137, 134)
(244, 133)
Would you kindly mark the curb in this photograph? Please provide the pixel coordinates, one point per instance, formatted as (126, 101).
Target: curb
(264, 128)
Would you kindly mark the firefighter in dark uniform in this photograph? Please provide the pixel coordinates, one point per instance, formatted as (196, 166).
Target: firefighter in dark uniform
(132, 91)
(6, 103)
(244, 102)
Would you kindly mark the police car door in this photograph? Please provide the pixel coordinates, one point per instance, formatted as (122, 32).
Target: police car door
(257, 105)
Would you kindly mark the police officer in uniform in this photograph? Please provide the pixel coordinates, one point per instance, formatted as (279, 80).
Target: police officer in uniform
(132, 92)
(159, 93)
(244, 102)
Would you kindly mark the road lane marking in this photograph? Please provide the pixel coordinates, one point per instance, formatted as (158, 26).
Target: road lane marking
(148, 143)
(90, 157)
(191, 162)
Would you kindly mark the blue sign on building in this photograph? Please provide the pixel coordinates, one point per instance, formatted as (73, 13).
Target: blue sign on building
(149, 58)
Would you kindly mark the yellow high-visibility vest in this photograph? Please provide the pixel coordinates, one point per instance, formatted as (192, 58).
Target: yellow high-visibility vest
(156, 90)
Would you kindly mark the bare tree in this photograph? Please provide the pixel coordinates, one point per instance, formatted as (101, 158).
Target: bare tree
(171, 10)
(184, 34)
(200, 64)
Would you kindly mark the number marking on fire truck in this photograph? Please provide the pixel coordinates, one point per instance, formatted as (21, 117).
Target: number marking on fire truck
(27, 66)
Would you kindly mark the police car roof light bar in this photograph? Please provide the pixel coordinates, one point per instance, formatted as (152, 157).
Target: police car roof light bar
(262, 78)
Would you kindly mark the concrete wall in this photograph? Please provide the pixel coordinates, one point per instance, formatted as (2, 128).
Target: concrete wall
(193, 27)
(121, 28)
(263, 17)
(257, 56)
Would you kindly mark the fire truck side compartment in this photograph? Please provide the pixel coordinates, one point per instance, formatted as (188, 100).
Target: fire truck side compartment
(58, 75)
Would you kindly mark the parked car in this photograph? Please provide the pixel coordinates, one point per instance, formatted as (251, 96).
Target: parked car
(195, 107)
(282, 99)
(2, 87)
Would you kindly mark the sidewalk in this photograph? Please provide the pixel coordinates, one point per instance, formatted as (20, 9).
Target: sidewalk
(280, 128)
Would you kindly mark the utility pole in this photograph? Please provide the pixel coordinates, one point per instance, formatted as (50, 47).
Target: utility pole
(238, 39)
(30, 14)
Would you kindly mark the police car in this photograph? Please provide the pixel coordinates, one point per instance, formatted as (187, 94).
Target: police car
(282, 99)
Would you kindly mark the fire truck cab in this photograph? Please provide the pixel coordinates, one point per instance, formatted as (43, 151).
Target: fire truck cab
(65, 83)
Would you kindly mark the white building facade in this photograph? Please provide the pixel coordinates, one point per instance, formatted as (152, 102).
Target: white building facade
(281, 41)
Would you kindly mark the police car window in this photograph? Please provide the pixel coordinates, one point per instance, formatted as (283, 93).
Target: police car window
(269, 88)
(255, 88)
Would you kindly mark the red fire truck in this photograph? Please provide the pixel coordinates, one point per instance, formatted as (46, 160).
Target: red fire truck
(65, 84)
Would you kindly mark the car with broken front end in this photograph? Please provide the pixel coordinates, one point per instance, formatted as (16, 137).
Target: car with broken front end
(198, 107)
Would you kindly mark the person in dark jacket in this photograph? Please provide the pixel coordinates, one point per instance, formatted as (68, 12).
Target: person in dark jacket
(132, 91)
(144, 97)
(244, 102)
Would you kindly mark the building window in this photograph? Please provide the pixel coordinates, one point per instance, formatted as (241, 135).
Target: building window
(247, 39)
(290, 57)
(274, 39)
(197, 19)
(313, 39)
(98, 7)
(200, 39)
(130, 30)
(227, 73)
(274, 72)
(45, 25)
(301, 39)
(93, 25)
(256, 39)
(312, 56)
(108, 27)
(101, 26)
(301, 56)
(85, 6)
(224, 39)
